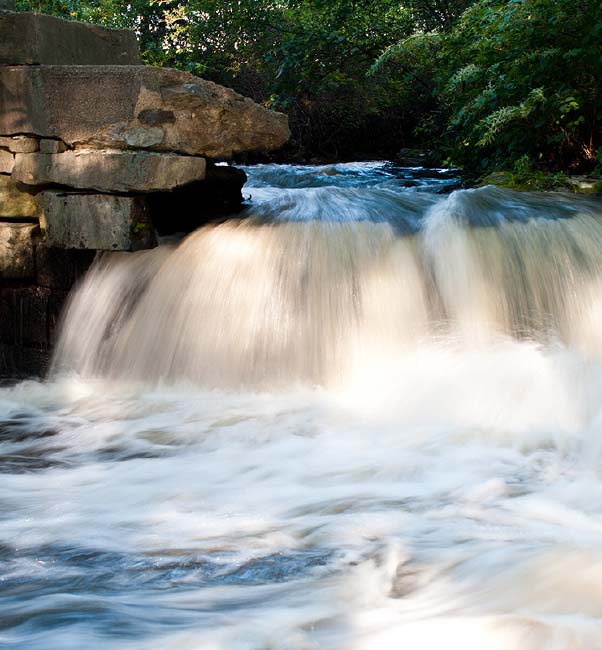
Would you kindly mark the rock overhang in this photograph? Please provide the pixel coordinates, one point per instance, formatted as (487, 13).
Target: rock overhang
(135, 107)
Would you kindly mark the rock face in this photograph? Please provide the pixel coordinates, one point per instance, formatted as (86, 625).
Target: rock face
(19, 144)
(135, 107)
(30, 38)
(52, 146)
(110, 223)
(16, 250)
(99, 153)
(15, 204)
(109, 171)
(7, 162)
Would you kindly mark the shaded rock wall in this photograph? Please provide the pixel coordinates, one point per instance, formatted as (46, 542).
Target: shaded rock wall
(99, 153)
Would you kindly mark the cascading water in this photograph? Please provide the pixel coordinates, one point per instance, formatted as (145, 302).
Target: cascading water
(363, 415)
(311, 278)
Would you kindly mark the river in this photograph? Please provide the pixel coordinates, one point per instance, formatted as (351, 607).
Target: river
(364, 415)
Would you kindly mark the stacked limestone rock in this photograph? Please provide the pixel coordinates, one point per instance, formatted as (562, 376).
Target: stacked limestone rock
(91, 141)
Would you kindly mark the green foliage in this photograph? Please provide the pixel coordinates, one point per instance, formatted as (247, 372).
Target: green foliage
(525, 177)
(321, 80)
(484, 82)
(524, 79)
(509, 78)
(419, 63)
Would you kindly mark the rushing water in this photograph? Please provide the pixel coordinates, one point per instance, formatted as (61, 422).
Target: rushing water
(365, 416)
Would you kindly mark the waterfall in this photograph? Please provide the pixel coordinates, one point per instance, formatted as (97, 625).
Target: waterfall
(313, 281)
(363, 415)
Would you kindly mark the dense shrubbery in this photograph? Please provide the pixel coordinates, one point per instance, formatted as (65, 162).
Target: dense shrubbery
(485, 83)
(515, 79)
(528, 82)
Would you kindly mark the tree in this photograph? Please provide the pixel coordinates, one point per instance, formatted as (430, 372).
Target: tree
(526, 81)
(306, 57)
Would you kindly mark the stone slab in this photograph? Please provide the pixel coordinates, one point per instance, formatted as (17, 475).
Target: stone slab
(135, 107)
(109, 171)
(31, 38)
(7, 162)
(19, 143)
(15, 204)
(95, 221)
(17, 260)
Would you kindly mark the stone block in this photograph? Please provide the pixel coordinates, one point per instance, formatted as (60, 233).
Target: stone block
(19, 143)
(135, 107)
(109, 171)
(31, 38)
(95, 221)
(17, 250)
(52, 146)
(7, 161)
(15, 204)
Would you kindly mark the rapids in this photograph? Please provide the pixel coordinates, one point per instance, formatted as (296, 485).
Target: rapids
(365, 414)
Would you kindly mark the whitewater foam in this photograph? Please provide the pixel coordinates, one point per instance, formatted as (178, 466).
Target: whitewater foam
(314, 432)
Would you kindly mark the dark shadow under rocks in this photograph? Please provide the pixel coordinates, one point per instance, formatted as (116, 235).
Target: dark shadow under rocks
(187, 208)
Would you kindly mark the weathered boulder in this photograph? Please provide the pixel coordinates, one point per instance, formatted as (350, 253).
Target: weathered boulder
(95, 221)
(30, 38)
(135, 107)
(7, 161)
(109, 171)
(15, 204)
(16, 250)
